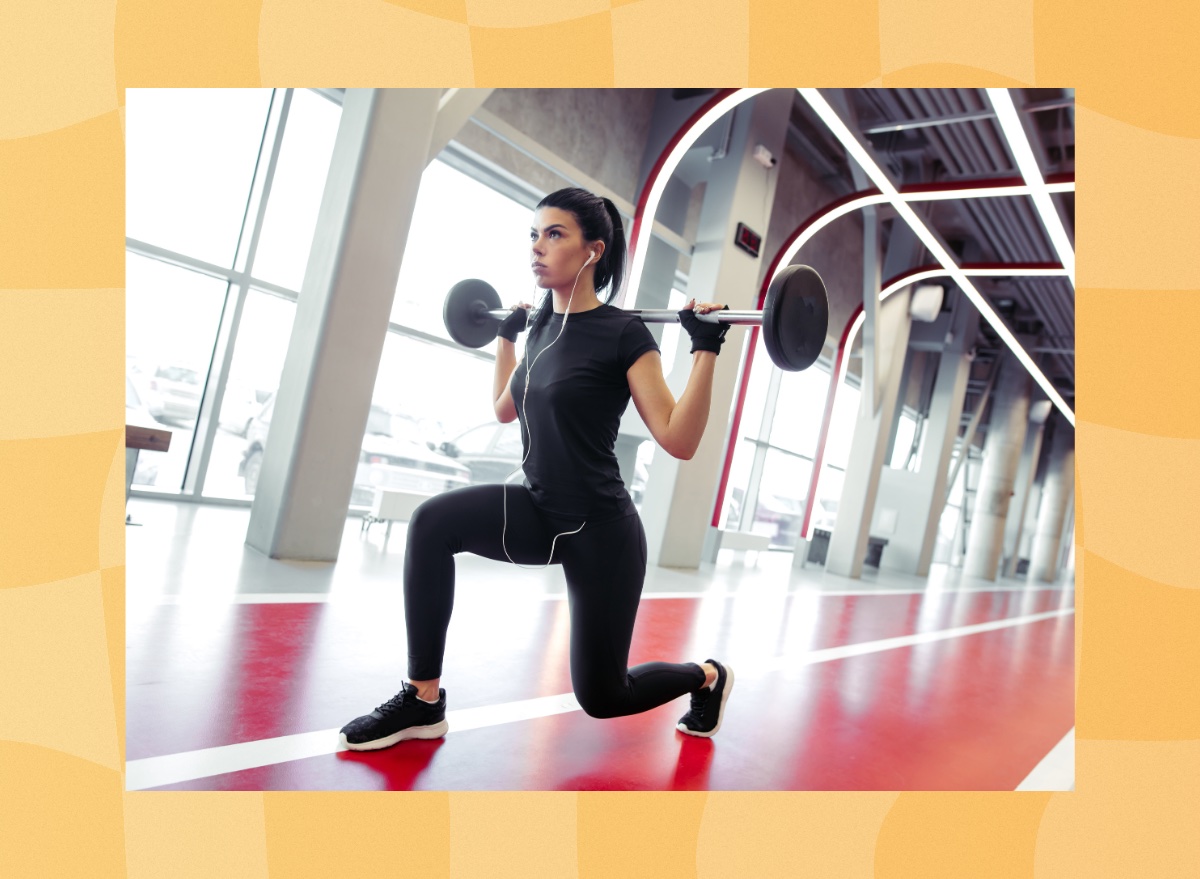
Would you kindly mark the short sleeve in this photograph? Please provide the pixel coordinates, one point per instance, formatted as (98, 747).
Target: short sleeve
(636, 340)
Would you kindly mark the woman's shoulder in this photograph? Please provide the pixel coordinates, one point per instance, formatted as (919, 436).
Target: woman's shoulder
(619, 316)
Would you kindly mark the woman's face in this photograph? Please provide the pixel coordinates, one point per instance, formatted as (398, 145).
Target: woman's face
(558, 249)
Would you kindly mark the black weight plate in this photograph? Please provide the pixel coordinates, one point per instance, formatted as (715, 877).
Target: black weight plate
(795, 318)
(466, 312)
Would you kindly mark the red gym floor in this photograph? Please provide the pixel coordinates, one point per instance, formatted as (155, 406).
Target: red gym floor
(932, 688)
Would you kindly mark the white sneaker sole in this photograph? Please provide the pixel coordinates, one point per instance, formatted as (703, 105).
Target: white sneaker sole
(436, 731)
(720, 710)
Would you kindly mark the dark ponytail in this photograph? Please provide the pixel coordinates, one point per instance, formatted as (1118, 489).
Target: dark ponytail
(613, 261)
(599, 220)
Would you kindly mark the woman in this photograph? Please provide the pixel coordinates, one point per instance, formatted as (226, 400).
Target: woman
(573, 508)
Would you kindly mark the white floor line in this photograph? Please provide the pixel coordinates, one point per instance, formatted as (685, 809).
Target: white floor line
(1055, 771)
(830, 654)
(361, 597)
(174, 768)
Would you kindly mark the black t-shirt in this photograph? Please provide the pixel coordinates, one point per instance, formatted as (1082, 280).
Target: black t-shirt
(576, 398)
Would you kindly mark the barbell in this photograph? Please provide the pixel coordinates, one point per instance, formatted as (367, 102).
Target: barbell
(794, 319)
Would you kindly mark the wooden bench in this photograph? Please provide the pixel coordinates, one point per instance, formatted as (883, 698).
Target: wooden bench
(150, 438)
(136, 439)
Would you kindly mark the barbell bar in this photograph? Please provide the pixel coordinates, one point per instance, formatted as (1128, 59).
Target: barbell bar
(794, 319)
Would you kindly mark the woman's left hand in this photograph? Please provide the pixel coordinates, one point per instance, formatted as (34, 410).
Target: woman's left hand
(706, 335)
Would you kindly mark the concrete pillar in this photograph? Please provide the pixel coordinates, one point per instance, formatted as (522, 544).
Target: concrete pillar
(917, 499)
(658, 280)
(679, 501)
(1026, 471)
(329, 372)
(1057, 491)
(1001, 458)
(848, 544)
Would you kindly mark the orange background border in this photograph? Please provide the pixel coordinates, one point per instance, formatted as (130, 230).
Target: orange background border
(63, 810)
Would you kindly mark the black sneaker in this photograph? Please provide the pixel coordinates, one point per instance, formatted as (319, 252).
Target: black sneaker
(404, 716)
(708, 706)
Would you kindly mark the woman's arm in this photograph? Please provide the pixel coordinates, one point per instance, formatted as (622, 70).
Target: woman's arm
(506, 362)
(677, 426)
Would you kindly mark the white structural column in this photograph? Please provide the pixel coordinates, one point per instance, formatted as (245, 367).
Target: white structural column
(455, 108)
(1001, 458)
(856, 507)
(677, 509)
(1015, 525)
(1057, 493)
(909, 506)
(342, 315)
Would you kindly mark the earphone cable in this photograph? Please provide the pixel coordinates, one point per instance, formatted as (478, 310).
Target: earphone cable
(529, 430)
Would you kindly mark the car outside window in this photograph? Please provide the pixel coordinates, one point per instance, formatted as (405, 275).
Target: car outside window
(475, 441)
(508, 444)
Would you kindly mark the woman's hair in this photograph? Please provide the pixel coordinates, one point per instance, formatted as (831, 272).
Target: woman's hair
(599, 220)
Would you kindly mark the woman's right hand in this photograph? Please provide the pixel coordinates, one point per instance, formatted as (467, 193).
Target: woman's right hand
(515, 323)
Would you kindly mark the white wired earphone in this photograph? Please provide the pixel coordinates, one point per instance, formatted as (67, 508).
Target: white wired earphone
(529, 428)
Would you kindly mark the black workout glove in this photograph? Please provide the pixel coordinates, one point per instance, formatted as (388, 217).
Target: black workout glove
(513, 324)
(705, 336)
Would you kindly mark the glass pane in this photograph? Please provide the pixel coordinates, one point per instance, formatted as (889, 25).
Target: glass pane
(254, 376)
(189, 163)
(670, 335)
(841, 426)
(641, 472)
(829, 493)
(435, 395)
(837, 452)
(781, 495)
(171, 319)
(799, 410)
(296, 190)
(461, 229)
(947, 527)
(476, 440)
(748, 430)
(509, 440)
(905, 432)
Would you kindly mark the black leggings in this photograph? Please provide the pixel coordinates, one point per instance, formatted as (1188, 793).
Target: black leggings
(604, 564)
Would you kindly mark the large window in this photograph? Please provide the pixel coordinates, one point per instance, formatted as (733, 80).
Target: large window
(772, 464)
(950, 540)
(461, 229)
(262, 341)
(171, 317)
(190, 156)
(199, 167)
(747, 443)
(795, 432)
(441, 393)
(296, 190)
(194, 157)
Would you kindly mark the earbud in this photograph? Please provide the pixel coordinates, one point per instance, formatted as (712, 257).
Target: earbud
(591, 256)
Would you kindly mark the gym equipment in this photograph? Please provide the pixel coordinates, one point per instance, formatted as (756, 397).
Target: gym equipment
(794, 319)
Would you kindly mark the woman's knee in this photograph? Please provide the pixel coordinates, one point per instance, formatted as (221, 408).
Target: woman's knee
(433, 524)
(423, 518)
(602, 703)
